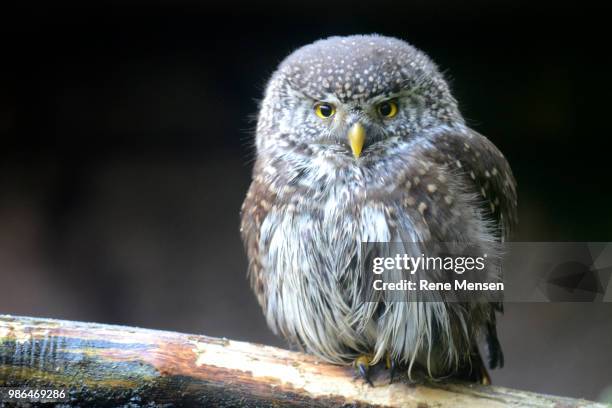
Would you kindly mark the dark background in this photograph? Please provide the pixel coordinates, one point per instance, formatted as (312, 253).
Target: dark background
(125, 154)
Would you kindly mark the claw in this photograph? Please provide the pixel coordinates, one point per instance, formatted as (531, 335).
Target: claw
(362, 365)
(392, 366)
(485, 378)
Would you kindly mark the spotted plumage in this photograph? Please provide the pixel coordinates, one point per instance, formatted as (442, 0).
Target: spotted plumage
(420, 175)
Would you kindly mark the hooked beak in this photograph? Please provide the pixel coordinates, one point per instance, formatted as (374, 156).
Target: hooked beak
(356, 137)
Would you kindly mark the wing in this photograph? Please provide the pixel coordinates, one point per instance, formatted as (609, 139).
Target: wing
(485, 170)
(256, 205)
(489, 175)
(446, 175)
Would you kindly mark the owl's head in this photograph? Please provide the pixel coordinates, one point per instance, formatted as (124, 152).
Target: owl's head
(353, 96)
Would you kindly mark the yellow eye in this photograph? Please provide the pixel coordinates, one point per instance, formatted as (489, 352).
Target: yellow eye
(387, 109)
(325, 110)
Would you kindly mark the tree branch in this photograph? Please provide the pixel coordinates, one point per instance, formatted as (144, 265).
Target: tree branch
(105, 365)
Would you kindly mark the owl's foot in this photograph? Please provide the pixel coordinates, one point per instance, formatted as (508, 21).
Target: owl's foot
(362, 367)
(485, 378)
(391, 365)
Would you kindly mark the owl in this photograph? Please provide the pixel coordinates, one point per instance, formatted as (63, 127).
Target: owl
(359, 139)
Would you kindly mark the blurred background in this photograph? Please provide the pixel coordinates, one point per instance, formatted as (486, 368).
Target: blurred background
(125, 154)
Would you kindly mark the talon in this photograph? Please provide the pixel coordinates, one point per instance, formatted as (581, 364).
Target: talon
(485, 378)
(362, 365)
(392, 366)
